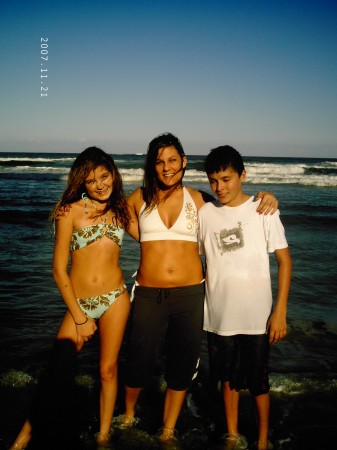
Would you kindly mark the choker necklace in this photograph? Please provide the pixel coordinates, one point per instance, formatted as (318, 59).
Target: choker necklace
(86, 198)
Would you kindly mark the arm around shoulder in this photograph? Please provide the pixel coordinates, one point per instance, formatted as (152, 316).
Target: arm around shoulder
(134, 202)
(269, 203)
(199, 197)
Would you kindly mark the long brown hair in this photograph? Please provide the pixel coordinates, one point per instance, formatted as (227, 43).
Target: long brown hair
(88, 160)
(150, 181)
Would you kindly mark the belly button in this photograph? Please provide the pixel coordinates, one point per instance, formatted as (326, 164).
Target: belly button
(94, 279)
(170, 270)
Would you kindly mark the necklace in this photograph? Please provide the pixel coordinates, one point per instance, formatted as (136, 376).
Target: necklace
(86, 198)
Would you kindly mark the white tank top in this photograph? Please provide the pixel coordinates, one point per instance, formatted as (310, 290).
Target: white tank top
(185, 227)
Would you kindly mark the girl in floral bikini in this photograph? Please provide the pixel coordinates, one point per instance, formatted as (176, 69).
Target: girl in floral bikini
(91, 218)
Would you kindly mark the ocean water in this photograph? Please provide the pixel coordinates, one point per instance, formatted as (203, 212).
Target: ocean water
(303, 366)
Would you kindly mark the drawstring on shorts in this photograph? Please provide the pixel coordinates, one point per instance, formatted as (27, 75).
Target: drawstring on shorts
(162, 294)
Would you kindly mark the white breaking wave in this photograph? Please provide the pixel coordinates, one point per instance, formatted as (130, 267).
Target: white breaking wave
(296, 384)
(28, 159)
(195, 176)
(318, 174)
(41, 169)
(291, 383)
(273, 173)
(132, 175)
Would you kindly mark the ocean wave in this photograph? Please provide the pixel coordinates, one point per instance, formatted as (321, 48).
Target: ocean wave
(35, 176)
(274, 168)
(132, 175)
(321, 170)
(318, 181)
(276, 174)
(32, 160)
(16, 379)
(191, 176)
(318, 328)
(291, 383)
(24, 215)
(296, 384)
(38, 169)
(320, 174)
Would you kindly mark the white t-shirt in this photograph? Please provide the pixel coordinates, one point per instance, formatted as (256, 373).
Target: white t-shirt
(236, 242)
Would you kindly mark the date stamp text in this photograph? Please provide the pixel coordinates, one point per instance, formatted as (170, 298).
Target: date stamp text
(44, 66)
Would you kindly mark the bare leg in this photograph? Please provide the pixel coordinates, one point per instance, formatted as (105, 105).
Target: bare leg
(174, 401)
(23, 437)
(131, 397)
(263, 406)
(67, 331)
(231, 402)
(111, 325)
(232, 439)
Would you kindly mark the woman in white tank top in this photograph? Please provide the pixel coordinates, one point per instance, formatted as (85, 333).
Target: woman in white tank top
(165, 221)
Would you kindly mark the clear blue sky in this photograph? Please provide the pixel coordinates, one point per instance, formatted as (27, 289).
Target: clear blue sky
(258, 75)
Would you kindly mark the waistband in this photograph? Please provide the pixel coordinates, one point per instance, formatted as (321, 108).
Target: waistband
(179, 291)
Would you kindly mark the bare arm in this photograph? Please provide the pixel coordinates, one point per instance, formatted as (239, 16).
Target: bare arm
(199, 197)
(134, 202)
(63, 282)
(277, 323)
(268, 204)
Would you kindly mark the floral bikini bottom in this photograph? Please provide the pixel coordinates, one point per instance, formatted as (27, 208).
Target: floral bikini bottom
(95, 307)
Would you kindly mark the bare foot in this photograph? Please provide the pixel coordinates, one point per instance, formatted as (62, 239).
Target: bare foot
(234, 441)
(264, 445)
(124, 421)
(167, 434)
(103, 439)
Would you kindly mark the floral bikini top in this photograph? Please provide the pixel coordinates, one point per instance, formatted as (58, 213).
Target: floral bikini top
(88, 235)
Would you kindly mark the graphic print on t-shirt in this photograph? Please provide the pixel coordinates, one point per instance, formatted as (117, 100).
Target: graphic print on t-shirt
(230, 240)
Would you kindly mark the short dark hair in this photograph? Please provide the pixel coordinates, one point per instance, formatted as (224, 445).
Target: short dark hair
(220, 158)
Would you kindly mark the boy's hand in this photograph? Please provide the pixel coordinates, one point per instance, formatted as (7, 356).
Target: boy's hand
(276, 327)
(268, 204)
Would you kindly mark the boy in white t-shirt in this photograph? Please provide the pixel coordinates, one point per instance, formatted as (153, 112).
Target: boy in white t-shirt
(239, 318)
